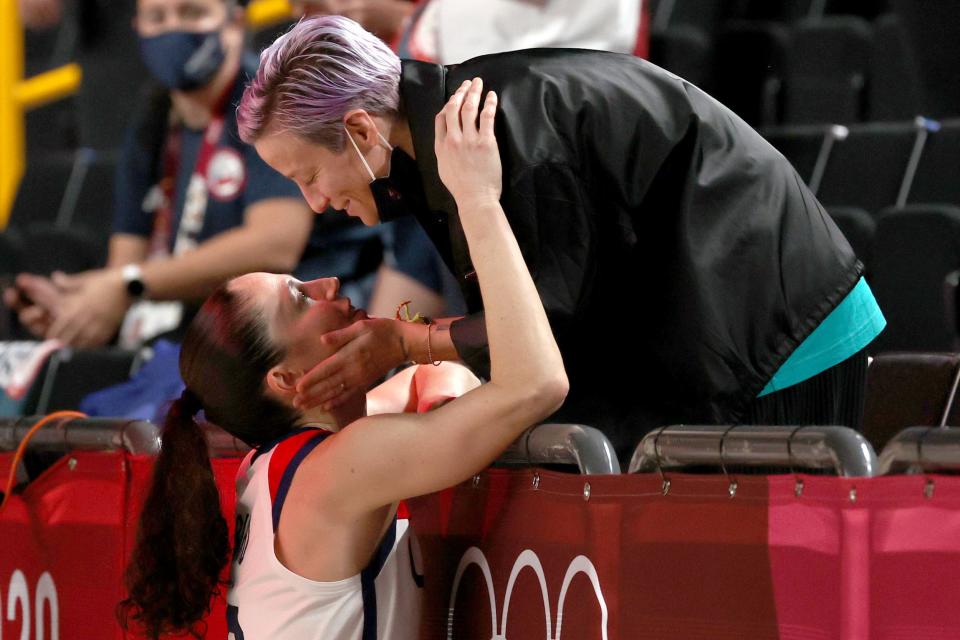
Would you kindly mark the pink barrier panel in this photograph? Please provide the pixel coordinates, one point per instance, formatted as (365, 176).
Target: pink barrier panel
(871, 558)
(64, 543)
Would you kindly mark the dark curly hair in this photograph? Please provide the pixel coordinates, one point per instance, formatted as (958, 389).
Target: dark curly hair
(182, 543)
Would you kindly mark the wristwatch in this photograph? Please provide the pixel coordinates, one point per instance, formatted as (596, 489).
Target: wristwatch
(133, 279)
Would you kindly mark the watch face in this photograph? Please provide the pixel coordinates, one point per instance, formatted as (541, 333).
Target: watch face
(135, 287)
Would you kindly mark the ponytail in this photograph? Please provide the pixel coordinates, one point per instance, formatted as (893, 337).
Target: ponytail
(182, 543)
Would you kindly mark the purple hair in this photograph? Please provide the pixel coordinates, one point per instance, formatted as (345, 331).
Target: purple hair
(314, 74)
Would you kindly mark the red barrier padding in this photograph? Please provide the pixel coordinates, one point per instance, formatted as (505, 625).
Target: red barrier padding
(65, 541)
(527, 554)
(693, 564)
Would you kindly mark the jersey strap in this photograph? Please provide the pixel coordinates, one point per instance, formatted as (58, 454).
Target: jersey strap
(368, 577)
(286, 458)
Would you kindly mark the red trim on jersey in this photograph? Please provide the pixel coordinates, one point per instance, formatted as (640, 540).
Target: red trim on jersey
(281, 456)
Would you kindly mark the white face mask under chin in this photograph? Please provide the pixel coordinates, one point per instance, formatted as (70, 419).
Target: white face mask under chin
(383, 142)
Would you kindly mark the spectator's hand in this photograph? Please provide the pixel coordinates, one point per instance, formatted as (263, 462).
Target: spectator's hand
(91, 309)
(40, 14)
(43, 298)
(383, 18)
(468, 160)
(364, 352)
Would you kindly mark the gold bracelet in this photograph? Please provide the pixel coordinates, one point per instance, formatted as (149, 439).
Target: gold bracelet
(430, 359)
(403, 314)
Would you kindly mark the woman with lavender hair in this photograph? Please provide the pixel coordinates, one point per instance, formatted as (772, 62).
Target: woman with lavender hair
(660, 229)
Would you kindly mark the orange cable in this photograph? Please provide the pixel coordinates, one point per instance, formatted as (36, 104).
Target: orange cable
(11, 479)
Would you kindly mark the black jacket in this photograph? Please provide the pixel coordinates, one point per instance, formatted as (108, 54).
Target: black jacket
(679, 256)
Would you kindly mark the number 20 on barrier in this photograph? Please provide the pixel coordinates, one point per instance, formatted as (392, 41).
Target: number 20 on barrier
(17, 599)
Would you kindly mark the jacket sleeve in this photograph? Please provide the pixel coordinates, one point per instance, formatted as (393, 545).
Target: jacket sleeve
(556, 233)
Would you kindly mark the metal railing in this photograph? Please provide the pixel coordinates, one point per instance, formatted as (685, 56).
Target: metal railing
(136, 437)
(922, 449)
(838, 449)
(568, 444)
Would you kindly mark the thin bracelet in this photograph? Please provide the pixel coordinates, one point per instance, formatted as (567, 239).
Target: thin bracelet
(430, 359)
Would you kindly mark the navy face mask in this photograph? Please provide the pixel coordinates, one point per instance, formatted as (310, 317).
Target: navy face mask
(182, 59)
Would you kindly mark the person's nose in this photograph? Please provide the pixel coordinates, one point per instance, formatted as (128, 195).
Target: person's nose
(322, 288)
(316, 200)
(344, 303)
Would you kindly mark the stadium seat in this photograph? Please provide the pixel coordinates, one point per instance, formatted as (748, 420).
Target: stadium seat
(859, 227)
(11, 250)
(868, 9)
(937, 178)
(42, 188)
(749, 59)
(801, 145)
(113, 73)
(683, 50)
(906, 390)
(47, 248)
(71, 374)
(792, 10)
(894, 87)
(826, 70)
(703, 14)
(866, 167)
(779, 10)
(932, 29)
(92, 210)
(914, 251)
(52, 127)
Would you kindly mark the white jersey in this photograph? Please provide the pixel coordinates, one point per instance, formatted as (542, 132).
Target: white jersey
(267, 601)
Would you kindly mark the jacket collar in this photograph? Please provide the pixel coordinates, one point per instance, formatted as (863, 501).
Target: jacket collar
(423, 95)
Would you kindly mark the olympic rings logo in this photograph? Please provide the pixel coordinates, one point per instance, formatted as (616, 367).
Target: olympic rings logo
(580, 564)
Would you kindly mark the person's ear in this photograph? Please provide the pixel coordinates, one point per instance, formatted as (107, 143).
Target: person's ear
(361, 127)
(282, 381)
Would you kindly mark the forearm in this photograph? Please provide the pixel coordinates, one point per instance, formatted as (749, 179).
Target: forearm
(523, 351)
(126, 248)
(440, 346)
(195, 274)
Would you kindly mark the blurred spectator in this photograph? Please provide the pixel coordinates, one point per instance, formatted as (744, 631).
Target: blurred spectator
(40, 14)
(383, 18)
(189, 196)
(451, 31)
